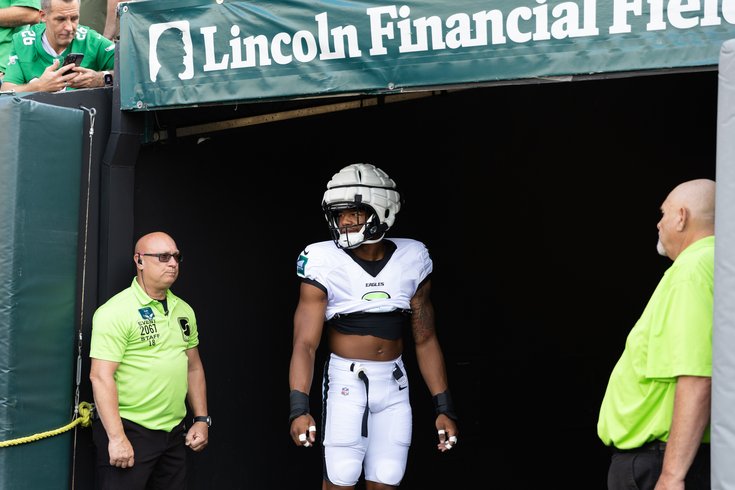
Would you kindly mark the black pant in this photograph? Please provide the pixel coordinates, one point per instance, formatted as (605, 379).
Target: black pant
(639, 469)
(160, 459)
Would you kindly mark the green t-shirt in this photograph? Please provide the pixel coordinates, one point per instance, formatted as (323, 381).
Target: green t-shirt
(152, 376)
(6, 33)
(673, 337)
(28, 59)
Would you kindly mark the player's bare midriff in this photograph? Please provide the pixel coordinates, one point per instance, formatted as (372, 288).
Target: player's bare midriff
(365, 347)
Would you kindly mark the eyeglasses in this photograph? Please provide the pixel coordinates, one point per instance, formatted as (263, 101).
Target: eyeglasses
(165, 257)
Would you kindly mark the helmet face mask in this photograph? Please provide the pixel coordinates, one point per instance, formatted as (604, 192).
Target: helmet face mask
(367, 229)
(361, 187)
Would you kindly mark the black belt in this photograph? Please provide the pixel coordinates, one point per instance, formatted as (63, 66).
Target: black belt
(655, 446)
(361, 374)
(651, 447)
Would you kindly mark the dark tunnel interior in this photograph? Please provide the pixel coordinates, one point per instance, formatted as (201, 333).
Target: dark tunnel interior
(539, 205)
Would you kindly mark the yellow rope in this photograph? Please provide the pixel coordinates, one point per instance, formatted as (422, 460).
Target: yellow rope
(84, 418)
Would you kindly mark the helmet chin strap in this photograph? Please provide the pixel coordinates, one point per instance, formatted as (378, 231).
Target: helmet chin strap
(349, 240)
(354, 240)
(375, 240)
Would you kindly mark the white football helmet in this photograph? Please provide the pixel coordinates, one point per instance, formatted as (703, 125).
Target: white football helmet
(361, 186)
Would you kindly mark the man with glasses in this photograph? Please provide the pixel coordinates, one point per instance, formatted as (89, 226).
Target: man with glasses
(145, 367)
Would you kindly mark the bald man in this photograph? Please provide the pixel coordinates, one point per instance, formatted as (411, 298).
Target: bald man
(656, 410)
(145, 367)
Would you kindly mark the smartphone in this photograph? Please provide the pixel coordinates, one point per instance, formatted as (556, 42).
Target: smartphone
(75, 58)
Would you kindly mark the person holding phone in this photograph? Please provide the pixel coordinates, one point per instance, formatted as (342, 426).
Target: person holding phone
(37, 66)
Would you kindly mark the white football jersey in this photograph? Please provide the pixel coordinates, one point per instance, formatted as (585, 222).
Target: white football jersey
(350, 288)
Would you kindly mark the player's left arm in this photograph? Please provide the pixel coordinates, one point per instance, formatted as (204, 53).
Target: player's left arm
(431, 364)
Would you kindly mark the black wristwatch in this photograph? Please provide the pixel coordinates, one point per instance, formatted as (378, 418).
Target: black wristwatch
(203, 418)
(107, 77)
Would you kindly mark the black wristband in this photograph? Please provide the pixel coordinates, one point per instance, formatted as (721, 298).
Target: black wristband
(443, 404)
(299, 404)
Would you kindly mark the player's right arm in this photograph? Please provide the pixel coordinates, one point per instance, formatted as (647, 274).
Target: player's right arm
(307, 332)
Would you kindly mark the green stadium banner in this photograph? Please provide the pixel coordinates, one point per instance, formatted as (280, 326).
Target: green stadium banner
(40, 172)
(195, 52)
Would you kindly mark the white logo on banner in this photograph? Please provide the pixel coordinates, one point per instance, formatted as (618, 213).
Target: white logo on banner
(171, 36)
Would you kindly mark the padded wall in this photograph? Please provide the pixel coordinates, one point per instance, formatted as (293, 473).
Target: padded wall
(723, 355)
(40, 166)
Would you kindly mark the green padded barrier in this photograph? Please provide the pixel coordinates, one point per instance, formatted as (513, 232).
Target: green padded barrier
(40, 171)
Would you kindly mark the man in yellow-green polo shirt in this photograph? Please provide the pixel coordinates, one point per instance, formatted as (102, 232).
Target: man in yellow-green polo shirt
(145, 367)
(656, 410)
